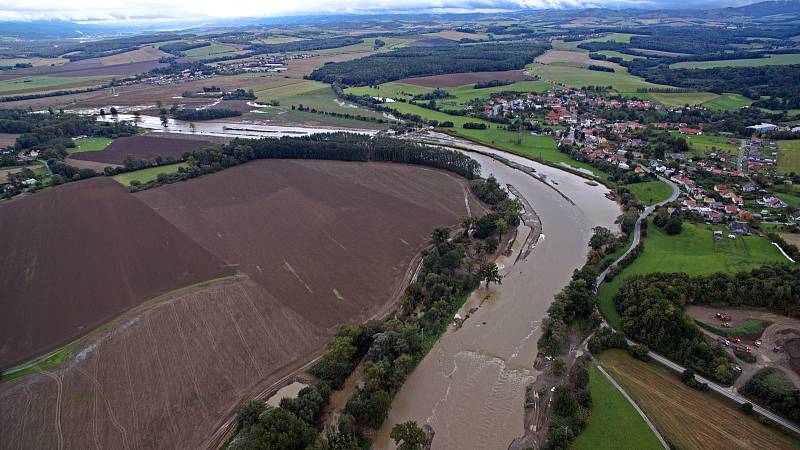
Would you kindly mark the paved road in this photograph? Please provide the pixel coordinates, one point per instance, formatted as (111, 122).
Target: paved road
(727, 392)
(730, 393)
(637, 229)
(743, 152)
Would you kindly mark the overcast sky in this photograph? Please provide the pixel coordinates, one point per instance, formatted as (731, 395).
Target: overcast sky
(189, 9)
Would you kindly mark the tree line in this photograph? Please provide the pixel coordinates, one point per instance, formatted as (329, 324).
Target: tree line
(327, 146)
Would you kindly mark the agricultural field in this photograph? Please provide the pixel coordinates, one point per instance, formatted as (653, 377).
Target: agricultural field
(682, 98)
(623, 56)
(211, 51)
(614, 423)
(772, 60)
(285, 88)
(789, 156)
(460, 79)
(91, 144)
(624, 38)
(143, 147)
(64, 296)
(147, 175)
(686, 417)
(190, 356)
(650, 192)
(728, 102)
(36, 62)
(694, 252)
(621, 81)
(36, 83)
(135, 56)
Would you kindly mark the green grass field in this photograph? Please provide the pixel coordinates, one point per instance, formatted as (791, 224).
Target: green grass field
(210, 51)
(283, 90)
(324, 99)
(621, 81)
(615, 37)
(623, 56)
(749, 327)
(45, 83)
(145, 175)
(728, 102)
(773, 60)
(91, 144)
(682, 98)
(614, 423)
(789, 156)
(709, 143)
(695, 252)
(651, 192)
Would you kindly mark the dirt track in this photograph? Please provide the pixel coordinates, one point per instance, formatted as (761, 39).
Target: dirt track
(143, 147)
(77, 255)
(172, 372)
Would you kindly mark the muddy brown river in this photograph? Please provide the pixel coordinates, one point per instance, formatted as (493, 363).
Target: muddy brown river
(470, 388)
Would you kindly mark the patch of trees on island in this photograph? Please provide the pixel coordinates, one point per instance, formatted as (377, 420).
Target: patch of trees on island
(204, 114)
(422, 61)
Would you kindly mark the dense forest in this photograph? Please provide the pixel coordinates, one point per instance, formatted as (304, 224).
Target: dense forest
(305, 45)
(652, 309)
(422, 61)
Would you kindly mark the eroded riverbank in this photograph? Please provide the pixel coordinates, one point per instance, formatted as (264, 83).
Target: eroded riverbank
(471, 386)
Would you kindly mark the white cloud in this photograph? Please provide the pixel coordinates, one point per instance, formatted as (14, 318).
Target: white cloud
(121, 10)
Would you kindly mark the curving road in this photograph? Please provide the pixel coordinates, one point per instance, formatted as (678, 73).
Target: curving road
(637, 230)
(729, 393)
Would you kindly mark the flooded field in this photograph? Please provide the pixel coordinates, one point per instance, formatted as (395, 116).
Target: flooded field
(471, 386)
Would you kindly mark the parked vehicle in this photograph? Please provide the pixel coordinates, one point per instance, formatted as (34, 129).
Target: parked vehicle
(758, 344)
(736, 339)
(723, 317)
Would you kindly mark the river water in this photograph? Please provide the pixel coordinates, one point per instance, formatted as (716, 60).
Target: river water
(470, 388)
(244, 129)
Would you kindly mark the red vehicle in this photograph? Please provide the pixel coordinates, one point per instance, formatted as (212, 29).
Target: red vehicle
(723, 317)
(736, 339)
(749, 350)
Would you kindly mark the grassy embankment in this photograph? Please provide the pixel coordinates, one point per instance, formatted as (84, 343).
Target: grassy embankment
(148, 174)
(92, 144)
(695, 252)
(614, 423)
(686, 417)
(748, 327)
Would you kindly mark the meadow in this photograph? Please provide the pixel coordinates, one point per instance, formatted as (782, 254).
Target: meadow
(614, 423)
(621, 81)
(694, 252)
(651, 192)
(772, 60)
(146, 175)
(789, 156)
(709, 143)
(727, 102)
(44, 82)
(210, 51)
(91, 144)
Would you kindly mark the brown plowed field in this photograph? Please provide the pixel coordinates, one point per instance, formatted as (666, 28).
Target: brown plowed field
(171, 372)
(142, 147)
(75, 256)
(330, 239)
(163, 377)
(460, 79)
